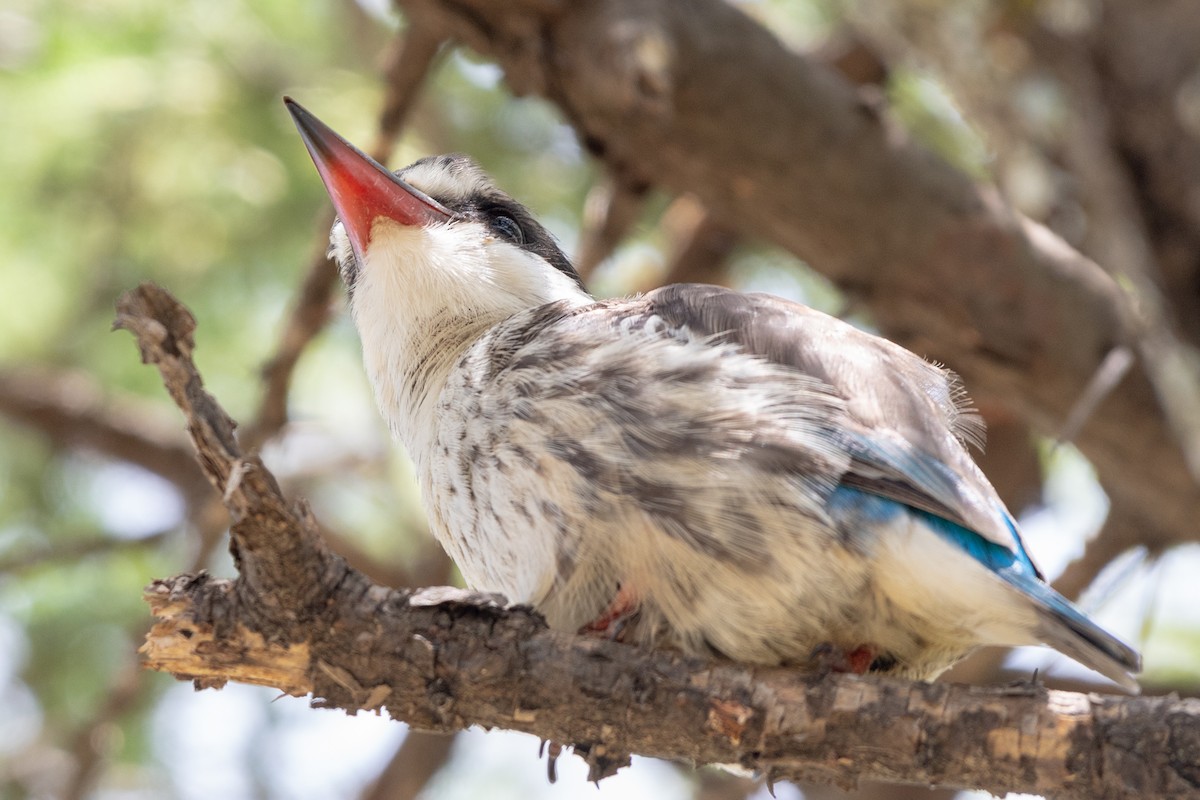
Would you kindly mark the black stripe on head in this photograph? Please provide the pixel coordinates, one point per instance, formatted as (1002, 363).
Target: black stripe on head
(474, 196)
(511, 221)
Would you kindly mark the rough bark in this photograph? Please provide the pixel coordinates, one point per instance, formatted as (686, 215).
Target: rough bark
(299, 619)
(697, 97)
(442, 660)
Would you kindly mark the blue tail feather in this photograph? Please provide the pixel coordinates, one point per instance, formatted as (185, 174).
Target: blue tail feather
(1063, 626)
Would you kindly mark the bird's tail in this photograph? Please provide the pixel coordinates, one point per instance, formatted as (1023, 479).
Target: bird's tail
(1066, 629)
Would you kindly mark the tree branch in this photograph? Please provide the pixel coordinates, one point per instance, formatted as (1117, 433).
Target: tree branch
(299, 619)
(90, 745)
(443, 660)
(1120, 235)
(70, 409)
(418, 758)
(700, 244)
(74, 550)
(610, 211)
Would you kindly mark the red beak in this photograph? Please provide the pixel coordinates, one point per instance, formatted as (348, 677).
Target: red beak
(361, 189)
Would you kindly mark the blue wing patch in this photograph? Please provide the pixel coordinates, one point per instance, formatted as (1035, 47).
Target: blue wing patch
(1064, 626)
(853, 509)
(1015, 567)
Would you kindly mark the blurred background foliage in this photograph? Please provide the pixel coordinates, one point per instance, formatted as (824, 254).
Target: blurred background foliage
(144, 141)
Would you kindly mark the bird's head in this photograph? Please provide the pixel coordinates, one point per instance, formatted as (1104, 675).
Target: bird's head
(435, 238)
(433, 256)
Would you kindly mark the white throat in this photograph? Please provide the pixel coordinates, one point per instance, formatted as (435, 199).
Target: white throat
(425, 295)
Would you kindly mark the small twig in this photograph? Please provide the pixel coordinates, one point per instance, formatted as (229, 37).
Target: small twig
(1110, 372)
(309, 316)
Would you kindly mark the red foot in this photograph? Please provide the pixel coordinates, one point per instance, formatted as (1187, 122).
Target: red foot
(860, 659)
(831, 658)
(611, 623)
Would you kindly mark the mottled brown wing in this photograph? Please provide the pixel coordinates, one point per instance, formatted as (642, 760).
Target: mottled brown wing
(906, 419)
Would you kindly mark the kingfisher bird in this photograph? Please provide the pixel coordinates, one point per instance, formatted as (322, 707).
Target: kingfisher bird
(727, 474)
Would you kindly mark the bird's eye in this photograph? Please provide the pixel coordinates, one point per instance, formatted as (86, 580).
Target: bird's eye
(509, 229)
